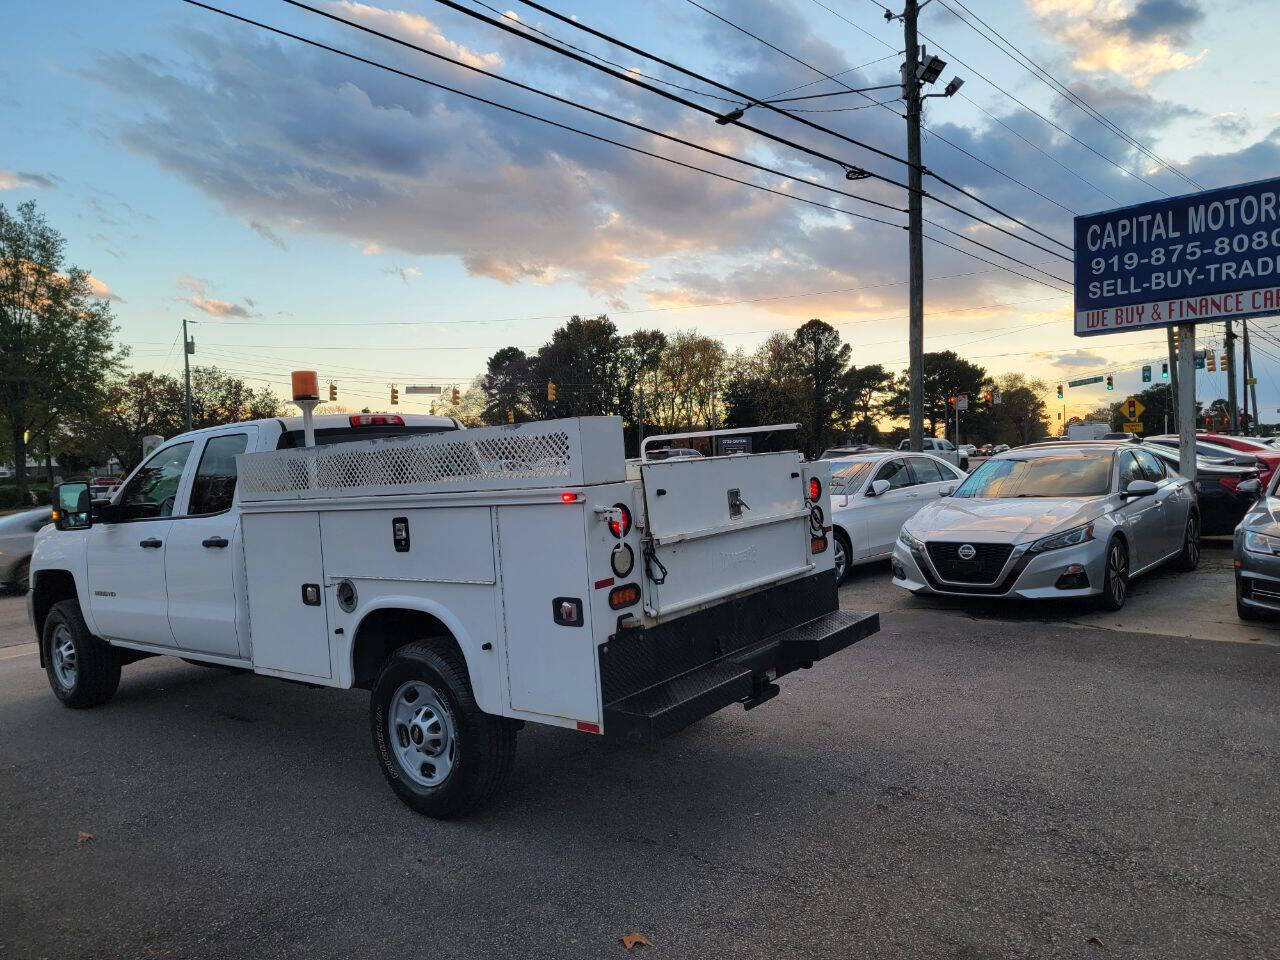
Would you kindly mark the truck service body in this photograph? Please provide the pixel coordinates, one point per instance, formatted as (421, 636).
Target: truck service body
(471, 579)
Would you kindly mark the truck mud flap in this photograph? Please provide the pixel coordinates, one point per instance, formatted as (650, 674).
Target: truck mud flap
(744, 676)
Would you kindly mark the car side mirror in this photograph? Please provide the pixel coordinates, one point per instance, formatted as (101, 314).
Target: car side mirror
(878, 488)
(948, 491)
(1249, 486)
(73, 507)
(1140, 488)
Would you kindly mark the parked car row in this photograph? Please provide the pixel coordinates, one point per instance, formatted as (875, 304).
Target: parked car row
(1058, 518)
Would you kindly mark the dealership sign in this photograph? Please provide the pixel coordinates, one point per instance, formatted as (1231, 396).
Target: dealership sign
(1204, 256)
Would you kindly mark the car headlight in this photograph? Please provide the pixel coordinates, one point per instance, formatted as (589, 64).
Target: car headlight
(1256, 542)
(908, 541)
(1071, 538)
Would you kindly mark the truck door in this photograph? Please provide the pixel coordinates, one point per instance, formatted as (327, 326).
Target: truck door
(204, 551)
(126, 559)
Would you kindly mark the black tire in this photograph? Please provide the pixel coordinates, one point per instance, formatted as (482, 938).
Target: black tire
(87, 673)
(22, 576)
(480, 747)
(1115, 576)
(841, 539)
(1189, 558)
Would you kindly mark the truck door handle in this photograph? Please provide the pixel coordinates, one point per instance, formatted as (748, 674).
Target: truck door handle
(214, 542)
(151, 543)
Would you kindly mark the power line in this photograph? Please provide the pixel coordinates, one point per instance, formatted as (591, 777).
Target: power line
(841, 73)
(751, 101)
(632, 124)
(1008, 176)
(1060, 88)
(941, 179)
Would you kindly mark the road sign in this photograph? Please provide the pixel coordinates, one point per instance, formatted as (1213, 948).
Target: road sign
(1133, 426)
(1203, 256)
(420, 389)
(962, 401)
(1085, 382)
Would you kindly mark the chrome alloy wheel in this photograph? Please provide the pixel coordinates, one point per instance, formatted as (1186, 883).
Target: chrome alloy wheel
(1193, 540)
(839, 560)
(422, 733)
(63, 653)
(1117, 574)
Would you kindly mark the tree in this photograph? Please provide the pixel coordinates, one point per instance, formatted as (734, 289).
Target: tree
(507, 385)
(582, 361)
(863, 395)
(1021, 416)
(945, 375)
(821, 359)
(690, 377)
(218, 398)
(639, 358)
(765, 386)
(57, 344)
(136, 406)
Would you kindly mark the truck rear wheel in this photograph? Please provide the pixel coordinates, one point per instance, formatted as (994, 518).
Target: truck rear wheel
(443, 755)
(82, 669)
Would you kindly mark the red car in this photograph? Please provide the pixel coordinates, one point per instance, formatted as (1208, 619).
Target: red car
(1251, 445)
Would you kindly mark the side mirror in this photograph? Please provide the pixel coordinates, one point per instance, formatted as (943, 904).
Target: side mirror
(1140, 488)
(73, 508)
(878, 487)
(1249, 486)
(948, 491)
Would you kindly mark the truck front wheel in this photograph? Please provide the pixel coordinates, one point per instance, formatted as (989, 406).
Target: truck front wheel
(442, 754)
(82, 670)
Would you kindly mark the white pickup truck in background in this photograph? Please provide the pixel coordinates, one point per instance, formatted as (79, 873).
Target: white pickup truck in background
(472, 580)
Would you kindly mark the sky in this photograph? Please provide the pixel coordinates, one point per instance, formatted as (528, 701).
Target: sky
(304, 210)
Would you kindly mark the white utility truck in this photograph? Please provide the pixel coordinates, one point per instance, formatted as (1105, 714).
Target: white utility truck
(472, 580)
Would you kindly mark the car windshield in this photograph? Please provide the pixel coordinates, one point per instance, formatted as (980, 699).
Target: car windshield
(1058, 475)
(847, 477)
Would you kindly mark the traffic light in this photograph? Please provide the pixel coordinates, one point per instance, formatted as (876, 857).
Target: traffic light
(456, 397)
(1223, 364)
(1210, 360)
(1132, 407)
(1146, 373)
(333, 392)
(1111, 383)
(395, 396)
(1164, 370)
(551, 391)
(1059, 391)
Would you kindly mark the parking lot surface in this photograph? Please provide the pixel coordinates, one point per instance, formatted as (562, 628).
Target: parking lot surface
(964, 784)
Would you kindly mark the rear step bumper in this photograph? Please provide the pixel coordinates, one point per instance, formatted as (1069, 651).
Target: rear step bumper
(745, 676)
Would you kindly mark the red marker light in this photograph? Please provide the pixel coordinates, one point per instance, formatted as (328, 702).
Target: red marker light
(568, 497)
(620, 528)
(815, 488)
(376, 420)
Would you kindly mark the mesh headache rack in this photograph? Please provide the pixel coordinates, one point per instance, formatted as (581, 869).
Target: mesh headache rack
(550, 453)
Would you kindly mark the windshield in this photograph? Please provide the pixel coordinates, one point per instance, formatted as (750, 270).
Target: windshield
(327, 435)
(1065, 475)
(847, 478)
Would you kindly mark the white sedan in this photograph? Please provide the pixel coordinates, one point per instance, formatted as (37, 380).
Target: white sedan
(873, 494)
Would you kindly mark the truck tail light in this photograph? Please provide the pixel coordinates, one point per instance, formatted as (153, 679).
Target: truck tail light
(620, 527)
(624, 596)
(568, 497)
(815, 488)
(818, 544)
(375, 420)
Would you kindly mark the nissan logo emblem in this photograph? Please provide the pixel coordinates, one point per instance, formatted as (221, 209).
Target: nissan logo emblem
(966, 551)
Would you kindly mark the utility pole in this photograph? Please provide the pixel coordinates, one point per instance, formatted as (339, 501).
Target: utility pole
(1251, 382)
(915, 223)
(1173, 373)
(1232, 410)
(188, 348)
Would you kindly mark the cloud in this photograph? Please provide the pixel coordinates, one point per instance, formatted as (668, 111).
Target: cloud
(371, 249)
(198, 298)
(1076, 358)
(100, 289)
(1230, 124)
(267, 233)
(1138, 42)
(14, 179)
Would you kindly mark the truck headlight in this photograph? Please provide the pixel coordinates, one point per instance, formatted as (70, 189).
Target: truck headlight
(1256, 542)
(908, 541)
(1072, 538)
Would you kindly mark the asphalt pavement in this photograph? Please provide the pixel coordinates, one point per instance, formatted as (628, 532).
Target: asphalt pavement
(965, 784)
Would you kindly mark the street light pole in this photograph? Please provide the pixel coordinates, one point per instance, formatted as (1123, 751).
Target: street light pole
(915, 225)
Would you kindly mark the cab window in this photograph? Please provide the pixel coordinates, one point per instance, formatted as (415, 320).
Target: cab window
(151, 491)
(1129, 470)
(926, 470)
(214, 486)
(1152, 466)
(895, 471)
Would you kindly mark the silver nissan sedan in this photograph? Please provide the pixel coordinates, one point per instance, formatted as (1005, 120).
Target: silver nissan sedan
(1053, 520)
